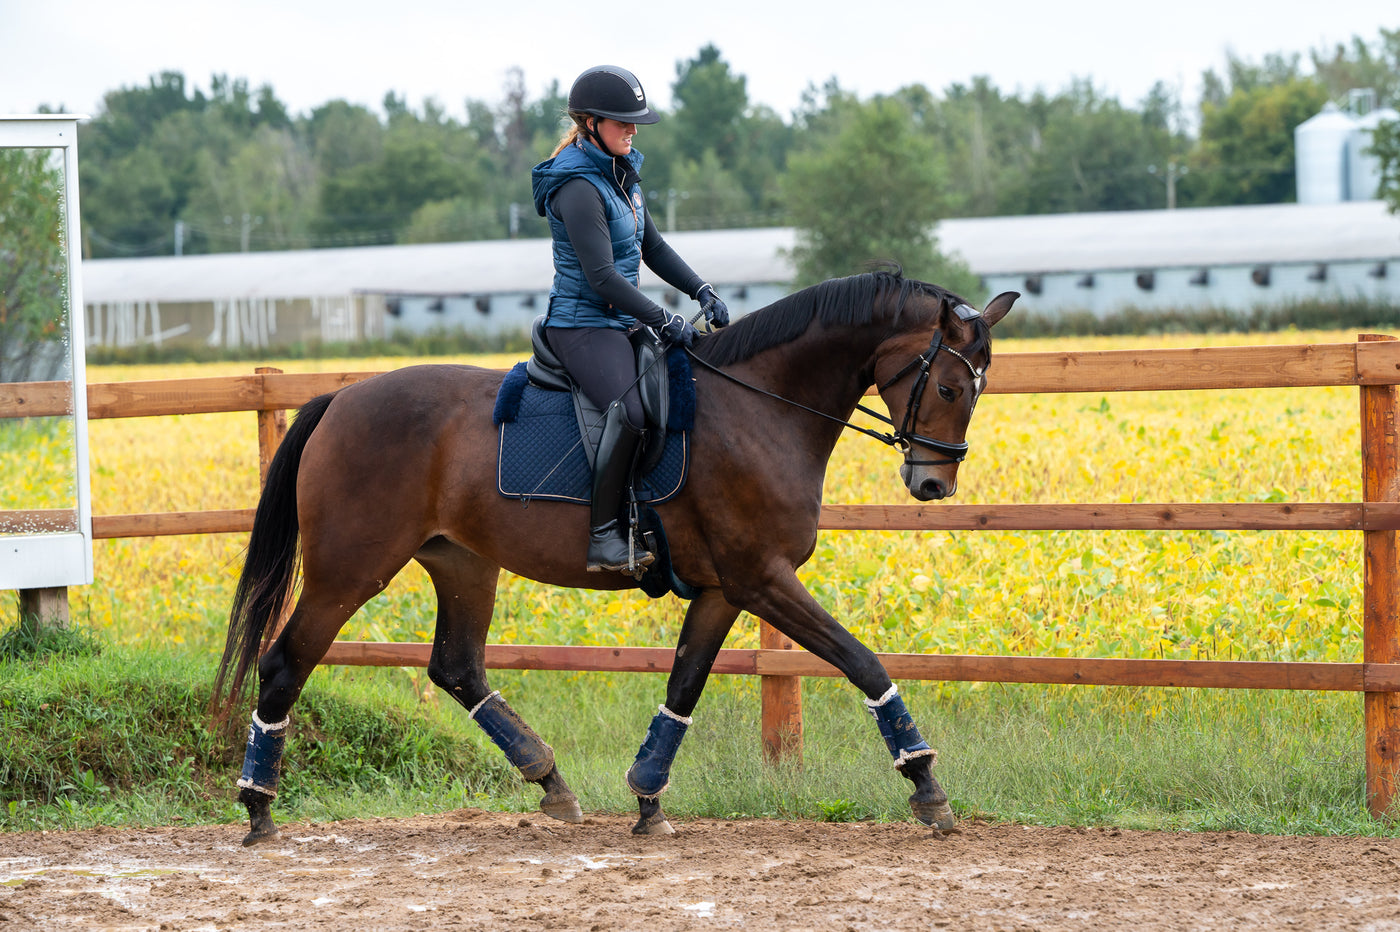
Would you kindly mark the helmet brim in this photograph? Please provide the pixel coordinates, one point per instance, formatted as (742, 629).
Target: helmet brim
(642, 117)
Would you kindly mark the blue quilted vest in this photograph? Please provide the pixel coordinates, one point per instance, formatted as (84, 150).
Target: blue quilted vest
(572, 303)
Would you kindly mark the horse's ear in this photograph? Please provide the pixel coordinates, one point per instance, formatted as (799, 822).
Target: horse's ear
(998, 306)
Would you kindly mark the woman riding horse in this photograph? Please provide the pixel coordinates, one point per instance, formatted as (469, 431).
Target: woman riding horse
(590, 191)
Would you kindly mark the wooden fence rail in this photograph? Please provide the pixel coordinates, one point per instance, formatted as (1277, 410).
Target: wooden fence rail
(1372, 364)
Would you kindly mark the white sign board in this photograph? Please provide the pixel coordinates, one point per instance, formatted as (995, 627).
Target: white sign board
(45, 507)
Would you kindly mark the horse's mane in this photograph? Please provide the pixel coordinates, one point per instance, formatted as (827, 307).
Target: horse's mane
(850, 301)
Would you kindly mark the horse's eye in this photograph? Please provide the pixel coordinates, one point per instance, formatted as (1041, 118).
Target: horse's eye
(946, 393)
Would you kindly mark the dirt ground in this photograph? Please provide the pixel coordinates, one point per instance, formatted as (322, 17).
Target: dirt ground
(470, 869)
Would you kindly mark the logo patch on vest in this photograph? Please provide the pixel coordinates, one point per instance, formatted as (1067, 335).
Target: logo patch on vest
(637, 199)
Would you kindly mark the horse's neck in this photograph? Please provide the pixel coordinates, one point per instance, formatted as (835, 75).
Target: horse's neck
(826, 369)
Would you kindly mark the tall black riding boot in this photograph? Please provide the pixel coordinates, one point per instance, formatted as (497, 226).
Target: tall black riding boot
(608, 538)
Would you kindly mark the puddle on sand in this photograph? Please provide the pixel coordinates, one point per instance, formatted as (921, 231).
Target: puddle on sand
(15, 878)
(570, 865)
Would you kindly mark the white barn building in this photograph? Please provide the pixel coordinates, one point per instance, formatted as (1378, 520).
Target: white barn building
(1222, 257)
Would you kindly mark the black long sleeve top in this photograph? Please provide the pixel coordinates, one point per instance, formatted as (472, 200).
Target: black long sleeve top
(578, 204)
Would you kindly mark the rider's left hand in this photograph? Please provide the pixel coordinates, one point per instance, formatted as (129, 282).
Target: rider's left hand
(716, 311)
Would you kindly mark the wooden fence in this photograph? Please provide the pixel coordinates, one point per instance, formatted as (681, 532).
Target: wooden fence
(1372, 364)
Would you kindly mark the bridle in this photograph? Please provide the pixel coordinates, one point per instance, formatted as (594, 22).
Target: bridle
(902, 439)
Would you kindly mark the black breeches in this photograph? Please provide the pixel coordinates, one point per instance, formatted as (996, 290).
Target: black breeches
(603, 363)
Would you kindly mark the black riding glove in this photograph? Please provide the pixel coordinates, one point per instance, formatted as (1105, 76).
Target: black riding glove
(716, 311)
(678, 330)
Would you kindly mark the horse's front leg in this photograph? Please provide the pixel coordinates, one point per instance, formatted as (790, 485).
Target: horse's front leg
(782, 601)
(707, 621)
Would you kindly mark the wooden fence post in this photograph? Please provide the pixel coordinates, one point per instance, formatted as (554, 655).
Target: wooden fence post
(272, 427)
(781, 698)
(1380, 468)
(43, 608)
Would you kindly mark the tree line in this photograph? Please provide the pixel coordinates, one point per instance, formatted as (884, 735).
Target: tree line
(170, 167)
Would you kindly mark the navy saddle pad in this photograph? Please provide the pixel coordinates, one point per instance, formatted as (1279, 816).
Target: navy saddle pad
(541, 453)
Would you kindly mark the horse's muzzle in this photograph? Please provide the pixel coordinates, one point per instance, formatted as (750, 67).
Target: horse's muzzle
(925, 486)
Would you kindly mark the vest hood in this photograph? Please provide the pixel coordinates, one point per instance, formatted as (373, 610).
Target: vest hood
(581, 158)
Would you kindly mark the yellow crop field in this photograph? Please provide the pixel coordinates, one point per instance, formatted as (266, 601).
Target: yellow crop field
(1220, 595)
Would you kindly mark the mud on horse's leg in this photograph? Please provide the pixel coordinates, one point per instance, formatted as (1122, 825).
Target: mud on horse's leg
(529, 754)
(913, 758)
(650, 773)
(262, 769)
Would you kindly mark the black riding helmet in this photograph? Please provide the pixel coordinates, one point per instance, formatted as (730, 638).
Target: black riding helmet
(612, 93)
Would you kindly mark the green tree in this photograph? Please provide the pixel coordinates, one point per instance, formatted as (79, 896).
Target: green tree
(871, 191)
(153, 151)
(1385, 146)
(1245, 154)
(707, 197)
(258, 196)
(424, 159)
(989, 144)
(710, 105)
(1093, 154)
(33, 267)
(1360, 64)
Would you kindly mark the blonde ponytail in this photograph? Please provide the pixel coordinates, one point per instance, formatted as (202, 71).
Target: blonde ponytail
(572, 134)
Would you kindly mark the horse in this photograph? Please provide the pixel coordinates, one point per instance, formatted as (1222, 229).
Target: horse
(401, 467)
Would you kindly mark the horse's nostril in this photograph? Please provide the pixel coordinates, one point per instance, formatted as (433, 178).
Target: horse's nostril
(933, 489)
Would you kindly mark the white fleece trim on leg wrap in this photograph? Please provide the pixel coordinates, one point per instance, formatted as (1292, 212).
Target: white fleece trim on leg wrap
(906, 756)
(269, 729)
(683, 719)
(889, 694)
(477, 708)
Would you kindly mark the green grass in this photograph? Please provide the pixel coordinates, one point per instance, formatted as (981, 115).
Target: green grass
(119, 736)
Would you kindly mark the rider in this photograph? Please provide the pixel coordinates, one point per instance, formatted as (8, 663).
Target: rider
(590, 191)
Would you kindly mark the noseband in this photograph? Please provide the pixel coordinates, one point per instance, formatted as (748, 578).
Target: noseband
(903, 439)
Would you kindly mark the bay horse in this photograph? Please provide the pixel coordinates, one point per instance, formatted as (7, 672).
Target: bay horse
(401, 467)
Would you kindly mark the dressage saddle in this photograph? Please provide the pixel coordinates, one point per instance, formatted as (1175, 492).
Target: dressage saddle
(545, 371)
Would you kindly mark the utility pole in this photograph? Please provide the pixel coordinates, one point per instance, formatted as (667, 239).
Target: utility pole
(249, 221)
(1169, 177)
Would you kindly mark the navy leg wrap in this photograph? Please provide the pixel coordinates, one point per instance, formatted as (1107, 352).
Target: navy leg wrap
(897, 728)
(650, 773)
(522, 747)
(262, 761)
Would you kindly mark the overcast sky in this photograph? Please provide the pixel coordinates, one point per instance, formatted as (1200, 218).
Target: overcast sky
(70, 52)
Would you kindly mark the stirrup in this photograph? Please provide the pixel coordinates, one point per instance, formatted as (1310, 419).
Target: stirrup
(631, 560)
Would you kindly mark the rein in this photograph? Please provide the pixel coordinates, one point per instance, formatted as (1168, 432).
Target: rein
(902, 439)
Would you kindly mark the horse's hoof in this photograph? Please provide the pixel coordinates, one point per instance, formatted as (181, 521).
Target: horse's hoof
(259, 835)
(653, 825)
(563, 807)
(939, 816)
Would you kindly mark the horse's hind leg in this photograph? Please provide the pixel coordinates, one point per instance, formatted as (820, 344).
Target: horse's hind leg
(466, 593)
(707, 621)
(282, 672)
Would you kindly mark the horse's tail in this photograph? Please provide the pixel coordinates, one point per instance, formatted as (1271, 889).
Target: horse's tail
(269, 572)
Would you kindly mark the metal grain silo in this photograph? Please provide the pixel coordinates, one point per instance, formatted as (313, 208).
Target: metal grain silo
(1363, 169)
(1321, 156)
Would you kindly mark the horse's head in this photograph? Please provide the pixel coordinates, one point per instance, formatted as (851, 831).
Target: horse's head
(930, 376)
